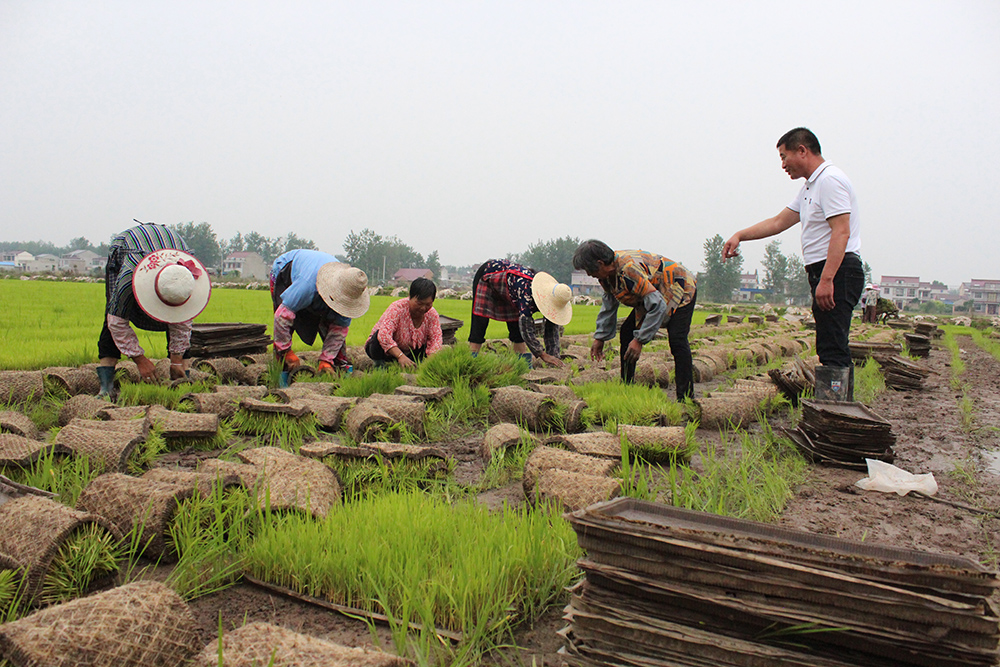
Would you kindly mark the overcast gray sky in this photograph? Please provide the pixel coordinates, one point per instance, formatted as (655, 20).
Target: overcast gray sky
(478, 128)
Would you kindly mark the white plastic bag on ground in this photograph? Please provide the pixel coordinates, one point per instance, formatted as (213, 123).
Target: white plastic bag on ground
(886, 477)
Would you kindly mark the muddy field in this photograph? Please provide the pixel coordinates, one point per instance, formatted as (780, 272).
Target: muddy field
(934, 434)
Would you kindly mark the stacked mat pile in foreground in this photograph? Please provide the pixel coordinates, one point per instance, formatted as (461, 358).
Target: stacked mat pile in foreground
(673, 587)
(843, 434)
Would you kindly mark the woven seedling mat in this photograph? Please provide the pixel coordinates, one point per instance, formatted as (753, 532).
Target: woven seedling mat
(129, 502)
(548, 375)
(254, 644)
(17, 423)
(127, 370)
(252, 391)
(201, 483)
(373, 415)
(226, 369)
(654, 442)
(253, 374)
(21, 386)
(573, 421)
(17, 450)
(83, 407)
(33, 529)
(546, 458)
(702, 369)
(358, 358)
(303, 390)
(653, 372)
(266, 407)
(292, 482)
(560, 392)
(246, 473)
(581, 352)
(106, 443)
(223, 404)
(173, 424)
(520, 406)
(500, 437)
(256, 358)
(423, 393)
(595, 443)
(596, 375)
(329, 411)
(73, 380)
(761, 354)
(122, 414)
(575, 490)
(142, 624)
(759, 390)
(728, 410)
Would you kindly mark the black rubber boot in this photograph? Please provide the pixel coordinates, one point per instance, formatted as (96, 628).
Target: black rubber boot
(106, 374)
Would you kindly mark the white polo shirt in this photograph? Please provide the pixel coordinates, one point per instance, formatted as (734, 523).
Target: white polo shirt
(825, 194)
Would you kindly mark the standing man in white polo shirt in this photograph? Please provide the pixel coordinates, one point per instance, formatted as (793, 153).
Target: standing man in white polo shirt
(831, 240)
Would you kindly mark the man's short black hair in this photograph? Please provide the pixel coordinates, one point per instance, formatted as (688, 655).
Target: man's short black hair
(421, 288)
(589, 253)
(800, 136)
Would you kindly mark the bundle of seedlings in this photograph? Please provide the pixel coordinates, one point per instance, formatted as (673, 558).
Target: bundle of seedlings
(52, 474)
(65, 553)
(136, 625)
(275, 424)
(612, 403)
(660, 444)
(455, 363)
(169, 396)
(550, 458)
(386, 419)
(376, 381)
(593, 443)
(289, 482)
(258, 644)
(20, 387)
(109, 445)
(82, 406)
(137, 504)
(18, 423)
(377, 473)
(536, 412)
(71, 381)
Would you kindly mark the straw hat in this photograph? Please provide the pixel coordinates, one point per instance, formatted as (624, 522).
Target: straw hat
(343, 288)
(171, 285)
(554, 299)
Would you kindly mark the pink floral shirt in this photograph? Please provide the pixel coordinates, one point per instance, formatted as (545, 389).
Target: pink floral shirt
(395, 329)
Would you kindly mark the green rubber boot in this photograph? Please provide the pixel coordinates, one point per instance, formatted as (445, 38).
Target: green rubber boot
(106, 374)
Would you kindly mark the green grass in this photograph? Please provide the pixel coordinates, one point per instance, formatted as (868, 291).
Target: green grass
(456, 363)
(465, 410)
(612, 403)
(868, 381)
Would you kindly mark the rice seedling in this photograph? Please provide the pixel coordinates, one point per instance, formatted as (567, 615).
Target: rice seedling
(87, 556)
(612, 403)
(418, 558)
(10, 595)
(868, 381)
(376, 381)
(275, 429)
(144, 393)
(221, 440)
(654, 453)
(147, 452)
(638, 480)
(361, 478)
(65, 476)
(461, 412)
(506, 465)
(45, 413)
(453, 363)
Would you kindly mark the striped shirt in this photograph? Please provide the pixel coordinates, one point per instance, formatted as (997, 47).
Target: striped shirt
(127, 250)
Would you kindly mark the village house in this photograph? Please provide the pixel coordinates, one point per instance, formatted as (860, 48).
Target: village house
(82, 261)
(18, 258)
(749, 286)
(44, 263)
(246, 265)
(901, 290)
(581, 283)
(407, 276)
(985, 294)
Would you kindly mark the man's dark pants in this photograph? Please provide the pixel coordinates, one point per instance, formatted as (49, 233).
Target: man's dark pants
(678, 329)
(834, 326)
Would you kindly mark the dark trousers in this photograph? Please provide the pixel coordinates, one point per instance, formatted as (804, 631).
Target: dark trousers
(477, 327)
(678, 329)
(375, 352)
(834, 326)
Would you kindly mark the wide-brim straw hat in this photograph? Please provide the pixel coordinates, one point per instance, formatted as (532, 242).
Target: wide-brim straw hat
(553, 298)
(171, 286)
(343, 288)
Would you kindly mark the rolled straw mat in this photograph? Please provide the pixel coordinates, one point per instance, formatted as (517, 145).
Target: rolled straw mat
(142, 624)
(374, 415)
(520, 406)
(129, 502)
(423, 393)
(501, 437)
(655, 443)
(257, 358)
(573, 419)
(73, 380)
(702, 370)
(253, 374)
(82, 406)
(254, 644)
(548, 375)
(328, 410)
(256, 405)
(303, 390)
(760, 390)
(546, 458)
(17, 423)
(595, 375)
(173, 424)
(292, 482)
(596, 443)
(107, 444)
(18, 450)
(653, 373)
(727, 410)
(252, 391)
(359, 358)
(222, 403)
(127, 370)
(21, 386)
(227, 369)
(575, 490)
(560, 392)
(201, 483)
(33, 529)
(246, 473)
(125, 413)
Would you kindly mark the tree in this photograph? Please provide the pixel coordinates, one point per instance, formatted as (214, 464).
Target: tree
(79, 243)
(294, 242)
(775, 269)
(720, 278)
(378, 256)
(555, 257)
(797, 287)
(434, 264)
(201, 241)
(868, 273)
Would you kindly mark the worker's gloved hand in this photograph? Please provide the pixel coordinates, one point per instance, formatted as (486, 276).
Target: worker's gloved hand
(288, 359)
(676, 295)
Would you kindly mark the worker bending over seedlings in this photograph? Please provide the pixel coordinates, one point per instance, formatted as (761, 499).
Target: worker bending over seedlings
(409, 329)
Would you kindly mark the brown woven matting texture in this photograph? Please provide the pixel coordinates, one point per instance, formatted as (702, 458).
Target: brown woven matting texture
(596, 443)
(33, 529)
(246, 473)
(501, 437)
(658, 437)
(73, 380)
(374, 415)
(548, 375)
(226, 369)
(21, 386)
(254, 644)
(255, 405)
(304, 390)
(17, 450)
(359, 358)
(595, 375)
(201, 483)
(548, 458)
(143, 624)
(128, 371)
(328, 410)
(726, 411)
(108, 444)
(251, 391)
(17, 423)
(574, 490)
(292, 482)
(573, 421)
(520, 406)
(759, 390)
(653, 372)
(83, 407)
(253, 374)
(222, 404)
(125, 413)
(703, 370)
(560, 392)
(257, 358)
(423, 393)
(175, 424)
(129, 502)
